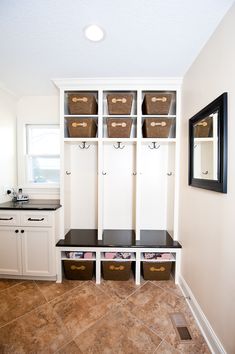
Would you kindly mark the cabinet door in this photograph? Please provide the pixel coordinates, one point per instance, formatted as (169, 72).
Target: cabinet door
(38, 251)
(10, 251)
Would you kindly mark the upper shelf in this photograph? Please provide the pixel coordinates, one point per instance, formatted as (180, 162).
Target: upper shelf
(146, 114)
(120, 102)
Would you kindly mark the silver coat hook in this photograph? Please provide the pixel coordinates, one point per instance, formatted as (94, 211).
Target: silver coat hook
(195, 145)
(84, 146)
(104, 173)
(134, 173)
(205, 173)
(154, 146)
(68, 173)
(169, 173)
(119, 145)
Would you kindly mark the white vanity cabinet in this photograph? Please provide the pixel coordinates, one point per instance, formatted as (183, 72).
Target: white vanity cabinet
(27, 244)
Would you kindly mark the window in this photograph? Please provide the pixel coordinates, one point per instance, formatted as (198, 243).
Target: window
(42, 154)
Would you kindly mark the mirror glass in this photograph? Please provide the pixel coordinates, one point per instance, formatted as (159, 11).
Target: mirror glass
(208, 146)
(205, 135)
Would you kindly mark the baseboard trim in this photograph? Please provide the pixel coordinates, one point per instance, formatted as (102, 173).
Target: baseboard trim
(204, 325)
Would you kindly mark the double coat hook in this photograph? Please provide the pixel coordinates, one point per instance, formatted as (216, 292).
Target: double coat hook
(154, 146)
(119, 145)
(84, 146)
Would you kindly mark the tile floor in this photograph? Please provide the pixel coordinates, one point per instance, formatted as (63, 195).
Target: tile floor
(81, 317)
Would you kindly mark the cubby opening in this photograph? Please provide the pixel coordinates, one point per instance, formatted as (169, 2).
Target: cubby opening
(80, 187)
(119, 186)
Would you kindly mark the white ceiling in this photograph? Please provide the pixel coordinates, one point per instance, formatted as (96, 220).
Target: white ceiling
(43, 39)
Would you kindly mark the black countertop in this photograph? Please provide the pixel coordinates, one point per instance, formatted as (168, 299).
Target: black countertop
(118, 238)
(33, 204)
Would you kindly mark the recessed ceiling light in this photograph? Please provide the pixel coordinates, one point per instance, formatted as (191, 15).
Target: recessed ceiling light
(94, 33)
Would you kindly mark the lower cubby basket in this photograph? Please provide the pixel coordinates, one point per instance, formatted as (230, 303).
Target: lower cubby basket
(78, 269)
(156, 270)
(116, 270)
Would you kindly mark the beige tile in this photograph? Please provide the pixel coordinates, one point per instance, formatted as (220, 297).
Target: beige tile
(81, 307)
(51, 290)
(152, 305)
(166, 348)
(7, 283)
(70, 348)
(18, 300)
(39, 331)
(118, 332)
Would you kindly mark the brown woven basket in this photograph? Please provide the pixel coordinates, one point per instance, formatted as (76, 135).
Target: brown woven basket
(116, 270)
(78, 269)
(204, 128)
(82, 103)
(156, 270)
(82, 127)
(119, 127)
(157, 127)
(119, 103)
(156, 103)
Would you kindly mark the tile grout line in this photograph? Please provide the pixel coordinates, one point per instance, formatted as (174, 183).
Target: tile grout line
(40, 291)
(167, 290)
(65, 345)
(145, 325)
(67, 292)
(15, 319)
(151, 329)
(95, 323)
(121, 300)
(12, 286)
(35, 308)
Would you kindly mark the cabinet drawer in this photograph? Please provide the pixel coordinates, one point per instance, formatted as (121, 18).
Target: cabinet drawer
(36, 219)
(9, 218)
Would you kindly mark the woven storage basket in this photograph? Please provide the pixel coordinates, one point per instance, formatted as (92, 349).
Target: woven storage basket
(82, 103)
(119, 127)
(119, 103)
(157, 127)
(156, 103)
(204, 128)
(82, 127)
(156, 270)
(116, 270)
(78, 269)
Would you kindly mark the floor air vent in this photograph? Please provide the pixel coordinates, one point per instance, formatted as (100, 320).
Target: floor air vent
(180, 326)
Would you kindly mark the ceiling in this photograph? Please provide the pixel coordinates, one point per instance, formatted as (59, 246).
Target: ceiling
(43, 39)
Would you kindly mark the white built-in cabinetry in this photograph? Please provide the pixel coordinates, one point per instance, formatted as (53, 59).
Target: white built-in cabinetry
(127, 184)
(27, 244)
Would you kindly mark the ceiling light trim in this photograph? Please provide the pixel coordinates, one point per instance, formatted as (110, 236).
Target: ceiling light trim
(94, 33)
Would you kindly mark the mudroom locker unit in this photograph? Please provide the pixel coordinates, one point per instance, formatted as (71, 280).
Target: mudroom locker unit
(119, 193)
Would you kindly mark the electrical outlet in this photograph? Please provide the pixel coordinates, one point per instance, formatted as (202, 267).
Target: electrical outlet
(7, 190)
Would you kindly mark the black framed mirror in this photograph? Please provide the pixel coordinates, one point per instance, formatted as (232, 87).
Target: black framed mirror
(208, 146)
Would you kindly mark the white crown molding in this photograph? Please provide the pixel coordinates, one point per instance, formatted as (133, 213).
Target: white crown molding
(124, 82)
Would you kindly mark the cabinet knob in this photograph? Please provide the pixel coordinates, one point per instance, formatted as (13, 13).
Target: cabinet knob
(16, 231)
(22, 231)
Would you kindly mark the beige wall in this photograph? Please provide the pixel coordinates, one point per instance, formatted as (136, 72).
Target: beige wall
(207, 219)
(7, 143)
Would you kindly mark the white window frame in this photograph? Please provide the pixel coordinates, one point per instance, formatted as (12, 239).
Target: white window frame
(23, 159)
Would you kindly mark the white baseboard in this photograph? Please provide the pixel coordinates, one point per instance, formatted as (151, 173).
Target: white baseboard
(204, 325)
